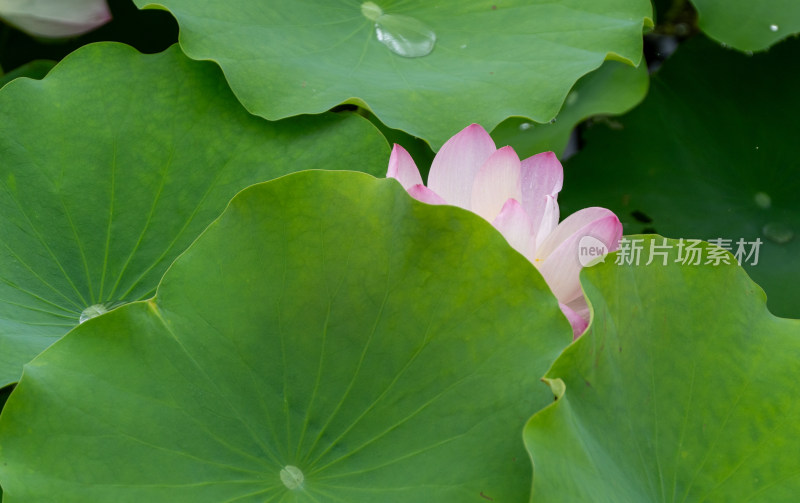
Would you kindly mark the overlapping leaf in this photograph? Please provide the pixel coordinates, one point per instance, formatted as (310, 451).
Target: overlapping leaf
(113, 164)
(491, 60)
(711, 153)
(684, 389)
(614, 88)
(747, 25)
(327, 323)
(34, 70)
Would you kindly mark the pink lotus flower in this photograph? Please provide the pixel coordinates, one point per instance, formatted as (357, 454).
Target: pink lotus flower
(519, 199)
(55, 18)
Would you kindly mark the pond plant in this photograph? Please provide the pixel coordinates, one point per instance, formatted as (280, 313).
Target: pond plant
(313, 251)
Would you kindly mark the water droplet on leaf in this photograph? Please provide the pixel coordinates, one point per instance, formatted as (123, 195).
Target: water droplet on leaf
(572, 98)
(773, 27)
(96, 310)
(93, 312)
(763, 200)
(525, 126)
(371, 11)
(778, 232)
(292, 477)
(403, 35)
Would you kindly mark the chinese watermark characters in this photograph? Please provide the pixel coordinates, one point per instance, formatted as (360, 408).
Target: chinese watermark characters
(633, 251)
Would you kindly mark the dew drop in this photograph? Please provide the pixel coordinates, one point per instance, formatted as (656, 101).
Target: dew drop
(778, 232)
(93, 312)
(572, 98)
(525, 126)
(96, 310)
(371, 11)
(292, 477)
(773, 27)
(403, 35)
(763, 200)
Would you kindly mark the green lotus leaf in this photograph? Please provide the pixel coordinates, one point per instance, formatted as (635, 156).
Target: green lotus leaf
(113, 164)
(491, 60)
(612, 89)
(328, 338)
(748, 25)
(711, 153)
(684, 389)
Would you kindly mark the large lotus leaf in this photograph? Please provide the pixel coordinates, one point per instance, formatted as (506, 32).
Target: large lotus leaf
(749, 25)
(491, 60)
(326, 325)
(711, 153)
(684, 389)
(113, 164)
(612, 89)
